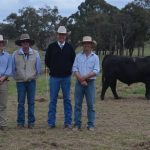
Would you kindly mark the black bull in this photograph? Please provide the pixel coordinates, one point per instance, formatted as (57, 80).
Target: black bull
(126, 69)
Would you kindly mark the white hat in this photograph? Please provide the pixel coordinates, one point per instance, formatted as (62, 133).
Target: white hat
(88, 39)
(62, 30)
(2, 39)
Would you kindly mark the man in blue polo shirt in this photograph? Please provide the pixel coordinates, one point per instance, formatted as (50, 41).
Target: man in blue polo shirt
(5, 71)
(86, 68)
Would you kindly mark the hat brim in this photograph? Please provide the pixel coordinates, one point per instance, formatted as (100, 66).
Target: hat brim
(92, 42)
(4, 41)
(68, 33)
(18, 42)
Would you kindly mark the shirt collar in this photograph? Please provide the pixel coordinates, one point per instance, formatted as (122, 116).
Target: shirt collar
(30, 51)
(61, 43)
(2, 53)
(92, 53)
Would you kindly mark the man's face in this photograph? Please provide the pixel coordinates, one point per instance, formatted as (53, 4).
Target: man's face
(1, 45)
(87, 46)
(25, 44)
(61, 37)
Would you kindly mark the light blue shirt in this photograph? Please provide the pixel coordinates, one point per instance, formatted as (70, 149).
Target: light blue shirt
(37, 65)
(5, 64)
(85, 65)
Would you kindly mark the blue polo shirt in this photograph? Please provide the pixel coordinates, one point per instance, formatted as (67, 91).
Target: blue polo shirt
(5, 64)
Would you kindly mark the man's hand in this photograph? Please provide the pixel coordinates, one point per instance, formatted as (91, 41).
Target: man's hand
(81, 79)
(84, 83)
(2, 79)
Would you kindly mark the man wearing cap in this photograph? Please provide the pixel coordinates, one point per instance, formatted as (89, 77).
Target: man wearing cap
(5, 71)
(59, 59)
(86, 68)
(26, 68)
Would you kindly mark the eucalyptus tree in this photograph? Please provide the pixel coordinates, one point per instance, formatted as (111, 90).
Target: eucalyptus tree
(142, 3)
(8, 30)
(138, 27)
(94, 18)
(39, 23)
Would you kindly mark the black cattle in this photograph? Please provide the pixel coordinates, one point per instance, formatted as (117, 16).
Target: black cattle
(126, 69)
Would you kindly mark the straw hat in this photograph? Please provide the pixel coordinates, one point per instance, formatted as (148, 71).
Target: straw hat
(2, 39)
(88, 39)
(24, 37)
(63, 30)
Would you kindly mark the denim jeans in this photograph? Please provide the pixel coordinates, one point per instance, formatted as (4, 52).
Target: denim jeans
(23, 89)
(89, 93)
(55, 84)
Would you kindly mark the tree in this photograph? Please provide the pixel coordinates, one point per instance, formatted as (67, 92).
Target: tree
(94, 18)
(142, 3)
(8, 31)
(39, 23)
(139, 26)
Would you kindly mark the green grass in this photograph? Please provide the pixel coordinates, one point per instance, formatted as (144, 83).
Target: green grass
(120, 124)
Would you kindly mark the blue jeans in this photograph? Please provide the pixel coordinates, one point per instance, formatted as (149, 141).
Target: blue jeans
(55, 84)
(23, 89)
(89, 93)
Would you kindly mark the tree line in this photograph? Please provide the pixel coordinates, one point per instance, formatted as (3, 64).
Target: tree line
(115, 30)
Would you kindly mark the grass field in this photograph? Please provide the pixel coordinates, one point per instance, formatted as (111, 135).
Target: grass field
(120, 124)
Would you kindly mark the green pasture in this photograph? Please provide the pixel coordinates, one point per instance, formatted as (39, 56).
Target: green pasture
(122, 124)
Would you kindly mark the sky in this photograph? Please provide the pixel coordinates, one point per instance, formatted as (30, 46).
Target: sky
(65, 7)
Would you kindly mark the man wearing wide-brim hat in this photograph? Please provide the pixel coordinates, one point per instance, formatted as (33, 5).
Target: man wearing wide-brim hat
(5, 72)
(24, 38)
(86, 68)
(59, 59)
(26, 68)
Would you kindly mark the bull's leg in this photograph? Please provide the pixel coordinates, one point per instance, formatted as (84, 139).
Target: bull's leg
(147, 94)
(105, 85)
(113, 88)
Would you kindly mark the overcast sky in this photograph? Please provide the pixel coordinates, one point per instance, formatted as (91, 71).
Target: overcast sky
(65, 7)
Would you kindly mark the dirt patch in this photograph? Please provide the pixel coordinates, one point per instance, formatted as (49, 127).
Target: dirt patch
(142, 146)
(41, 99)
(54, 144)
(120, 125)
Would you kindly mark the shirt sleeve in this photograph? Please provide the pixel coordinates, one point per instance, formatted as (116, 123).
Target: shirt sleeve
(96, 69)
(48, 56)
(75, 65)
(9, 66)
(13, 65)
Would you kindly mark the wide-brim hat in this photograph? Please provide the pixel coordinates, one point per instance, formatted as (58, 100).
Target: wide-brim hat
(89, 39)
(2, 40)
(63, 30)
(24, 37)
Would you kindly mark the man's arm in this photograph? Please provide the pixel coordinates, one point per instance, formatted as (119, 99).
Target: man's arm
(48, 57)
